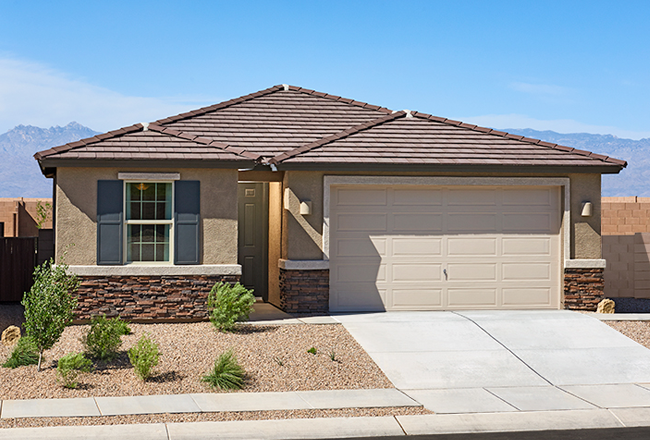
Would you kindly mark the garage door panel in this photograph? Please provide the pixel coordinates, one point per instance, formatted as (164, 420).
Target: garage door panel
(417, 222)
(524, 246)
(362, 222)
(361, 247)
(528, 197)
(471, 222)
(472, 297)
(472, 271)
(526, 271)
(416, 298)
(472, 197)
(536, 222)
(351, 273)
(415, 272)
(541, 296)
(362, 197)
(472, 246)
(417, 197)
(417, 247)
(361, 297)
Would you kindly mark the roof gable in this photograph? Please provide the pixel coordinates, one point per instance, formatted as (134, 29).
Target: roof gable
(418, 138)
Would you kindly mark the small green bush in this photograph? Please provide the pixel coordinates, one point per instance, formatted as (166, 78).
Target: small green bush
(144, 356)
(227, 374)
(104, 337)
(49, 305)
(312, 350)
(70, 367)
(25, 353)
(228, 304)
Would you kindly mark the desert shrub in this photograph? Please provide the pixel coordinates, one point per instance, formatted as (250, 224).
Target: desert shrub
(24, 353)
(70, 367)
(227, 374)
(104, 337)
(144, 357)
(49, 305)
(228, 304)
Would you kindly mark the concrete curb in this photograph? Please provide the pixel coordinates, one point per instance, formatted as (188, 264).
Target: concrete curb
(324, 428)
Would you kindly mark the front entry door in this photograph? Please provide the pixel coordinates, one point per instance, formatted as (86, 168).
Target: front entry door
(253, 236)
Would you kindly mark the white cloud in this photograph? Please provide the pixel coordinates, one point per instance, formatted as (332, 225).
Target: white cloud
(33, 94)
(557, 125)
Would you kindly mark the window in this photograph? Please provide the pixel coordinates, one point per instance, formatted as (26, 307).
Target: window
(148, 221)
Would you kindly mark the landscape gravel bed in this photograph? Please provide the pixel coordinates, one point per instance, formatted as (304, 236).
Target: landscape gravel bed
(275, 358)
(638, 331)
(211, 417)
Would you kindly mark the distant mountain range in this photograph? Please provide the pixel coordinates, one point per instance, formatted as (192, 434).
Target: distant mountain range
(634, 180)
(21, 177)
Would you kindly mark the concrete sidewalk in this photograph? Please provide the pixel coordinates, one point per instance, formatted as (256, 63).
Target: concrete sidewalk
(203, 403)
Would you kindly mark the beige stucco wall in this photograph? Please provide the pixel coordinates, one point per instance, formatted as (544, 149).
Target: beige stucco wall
(585, 238)
(302, 235)
(76, 212)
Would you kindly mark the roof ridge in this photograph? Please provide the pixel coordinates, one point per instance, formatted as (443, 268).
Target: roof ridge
(532, 141)
(336, 136)
(88, 141)
(202, 140)
(213, 107)
(340, 99)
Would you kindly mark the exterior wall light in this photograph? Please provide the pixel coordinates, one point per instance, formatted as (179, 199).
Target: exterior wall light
(587, 209)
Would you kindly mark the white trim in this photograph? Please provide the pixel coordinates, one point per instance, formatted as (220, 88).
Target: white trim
(159, 270)
(149, 176)
(585, 264)
(303, 264)
(563, 182)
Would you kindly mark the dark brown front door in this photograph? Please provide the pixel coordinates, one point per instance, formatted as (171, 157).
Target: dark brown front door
(253, 236)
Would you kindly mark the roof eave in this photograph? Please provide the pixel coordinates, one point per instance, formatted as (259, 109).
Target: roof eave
(145, 163)
(474, 168)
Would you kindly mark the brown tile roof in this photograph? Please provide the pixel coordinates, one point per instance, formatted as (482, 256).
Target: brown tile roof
(276, 120)
(288, 125)
(418, 138)
(157, 143)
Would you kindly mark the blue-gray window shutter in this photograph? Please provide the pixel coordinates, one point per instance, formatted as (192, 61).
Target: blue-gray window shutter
(187, 202)
(110, 221)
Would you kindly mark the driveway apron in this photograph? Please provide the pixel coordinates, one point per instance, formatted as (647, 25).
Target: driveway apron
(481, 361)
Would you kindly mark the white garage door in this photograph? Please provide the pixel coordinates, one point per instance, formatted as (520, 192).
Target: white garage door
(443, 248)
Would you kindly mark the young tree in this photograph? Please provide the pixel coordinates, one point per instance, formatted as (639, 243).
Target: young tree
(49, 305)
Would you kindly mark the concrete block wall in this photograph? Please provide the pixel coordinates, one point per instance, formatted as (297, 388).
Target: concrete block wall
(625, 215)
(626, 246)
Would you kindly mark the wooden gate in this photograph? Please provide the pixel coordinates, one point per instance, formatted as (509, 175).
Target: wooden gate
(17, 261)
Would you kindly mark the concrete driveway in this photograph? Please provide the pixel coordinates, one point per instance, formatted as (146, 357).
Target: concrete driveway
(484, 361)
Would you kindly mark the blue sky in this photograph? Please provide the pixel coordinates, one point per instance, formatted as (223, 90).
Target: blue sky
(567, 66)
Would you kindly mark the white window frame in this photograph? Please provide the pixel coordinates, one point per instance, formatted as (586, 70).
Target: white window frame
(148, 222)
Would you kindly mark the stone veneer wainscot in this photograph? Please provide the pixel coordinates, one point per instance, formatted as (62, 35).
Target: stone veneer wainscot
(583, 284)
(148, 294)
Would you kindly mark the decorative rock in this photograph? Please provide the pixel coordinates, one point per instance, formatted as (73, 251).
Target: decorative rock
(10, 336)
(606, 306)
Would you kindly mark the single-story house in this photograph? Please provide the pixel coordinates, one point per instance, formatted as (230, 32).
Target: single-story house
(321, 203)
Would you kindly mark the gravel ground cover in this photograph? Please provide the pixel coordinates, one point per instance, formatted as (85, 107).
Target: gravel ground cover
(210, 417)
(275, 358)
(638, 331)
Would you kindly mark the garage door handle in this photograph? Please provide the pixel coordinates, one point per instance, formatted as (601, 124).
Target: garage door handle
(445, 272)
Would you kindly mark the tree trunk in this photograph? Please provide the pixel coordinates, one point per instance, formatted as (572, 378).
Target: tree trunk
(40, 357)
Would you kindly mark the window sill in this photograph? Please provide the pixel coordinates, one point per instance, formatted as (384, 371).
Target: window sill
(156, 270)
